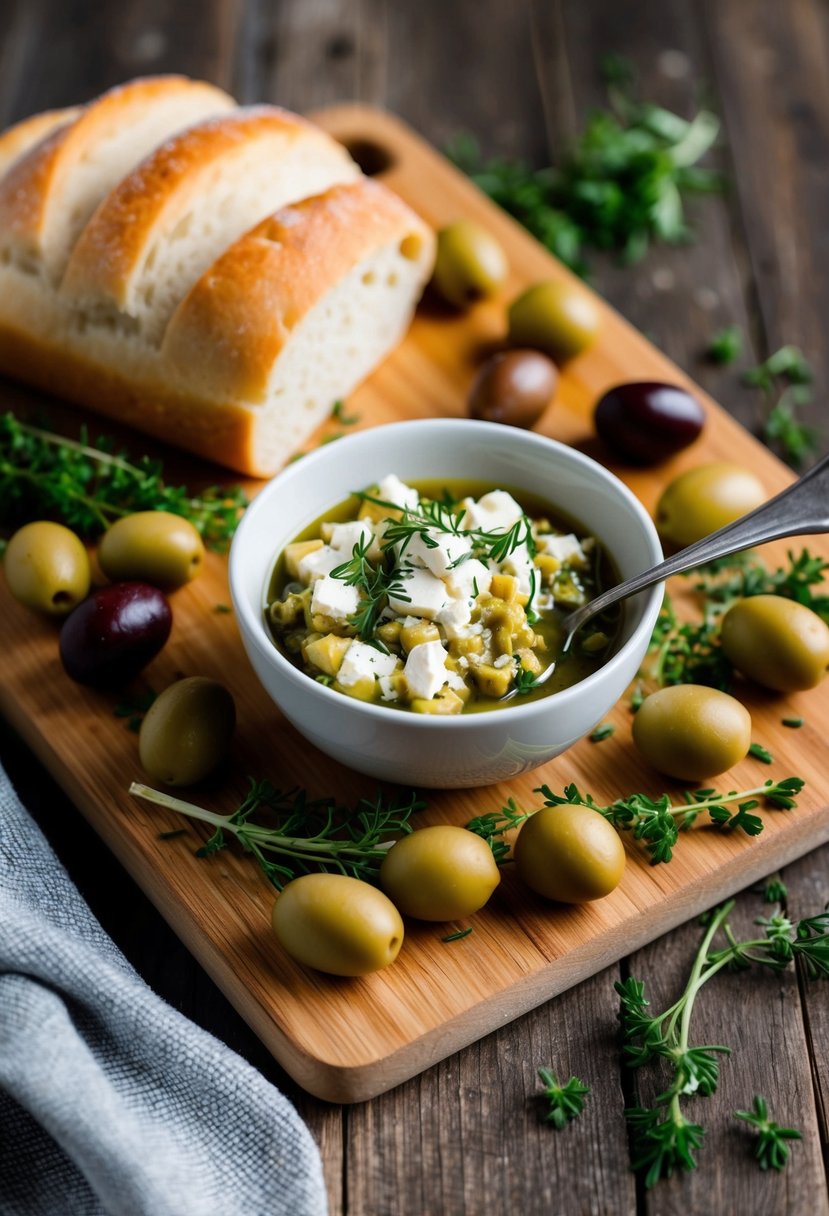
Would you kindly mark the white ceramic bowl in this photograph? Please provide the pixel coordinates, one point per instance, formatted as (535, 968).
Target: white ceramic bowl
(414, 749)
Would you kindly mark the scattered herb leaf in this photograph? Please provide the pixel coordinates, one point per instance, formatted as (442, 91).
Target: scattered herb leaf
(761, 753)
(726, 345)
(456, 937)
(771, 1151)
(222, 609)
(775, 890)
(794, 723)
(339, 414)
(563, 1103)
(602, 732)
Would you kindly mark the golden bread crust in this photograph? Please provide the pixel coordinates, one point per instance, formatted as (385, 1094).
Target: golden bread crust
(229, 330)
(17, 140)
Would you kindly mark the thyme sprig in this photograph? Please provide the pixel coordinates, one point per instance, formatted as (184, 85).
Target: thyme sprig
(375, 584)
(664, 1140)
(306, 834)
(87, 485)
(656, 822)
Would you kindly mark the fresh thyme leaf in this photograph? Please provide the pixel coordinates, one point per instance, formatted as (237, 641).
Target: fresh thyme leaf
(456, 937)
(794, 723)
(87, 485)
(602, 732)
(222, 609)
(621, 186)
(304, 834)
(563, 1103)
(760, 753)
(726, 345)
(771, 1151)
(637, 697)
(171, 835)
(492, 826)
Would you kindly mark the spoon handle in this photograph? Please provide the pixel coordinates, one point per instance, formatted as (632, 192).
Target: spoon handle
(801, 509)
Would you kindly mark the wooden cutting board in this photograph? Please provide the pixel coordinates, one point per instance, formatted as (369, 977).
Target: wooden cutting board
(347, 1040)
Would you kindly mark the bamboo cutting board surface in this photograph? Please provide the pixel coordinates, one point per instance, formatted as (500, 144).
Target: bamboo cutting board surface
(347, 1040)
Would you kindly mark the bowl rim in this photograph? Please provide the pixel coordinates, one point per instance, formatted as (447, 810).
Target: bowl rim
(256, 630)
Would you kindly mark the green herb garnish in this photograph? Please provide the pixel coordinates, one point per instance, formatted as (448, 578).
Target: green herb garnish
(664, 1141)
(726, 345)
(794, 723)
(456, 937)
(655, 821)
(376, 583)
(620, 187)
(339, 415)
(306, 834)
(772, 1151)
(782, 429)
(761, 753)
(602, 732)
(775, 890)
(562, 1103)
(87, 485)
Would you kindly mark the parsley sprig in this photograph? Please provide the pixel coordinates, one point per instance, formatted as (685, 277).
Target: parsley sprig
(664, 1140)
(620, 187)
(306, 834)
(87, 484)
(656, 822)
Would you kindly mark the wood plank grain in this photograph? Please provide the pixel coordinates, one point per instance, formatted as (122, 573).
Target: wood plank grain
(775, 98)
(480, 1145)
(433, 1001)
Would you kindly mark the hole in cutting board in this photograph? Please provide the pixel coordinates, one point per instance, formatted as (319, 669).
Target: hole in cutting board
(372, 157)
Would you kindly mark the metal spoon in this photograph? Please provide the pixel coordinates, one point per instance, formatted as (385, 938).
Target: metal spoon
(800, 510)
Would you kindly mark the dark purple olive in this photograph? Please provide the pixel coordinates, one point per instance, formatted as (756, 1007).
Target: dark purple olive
(646, 422)
(109, 637)
(514, 387)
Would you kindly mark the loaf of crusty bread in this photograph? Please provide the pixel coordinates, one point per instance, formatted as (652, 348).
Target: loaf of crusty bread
(215, 276)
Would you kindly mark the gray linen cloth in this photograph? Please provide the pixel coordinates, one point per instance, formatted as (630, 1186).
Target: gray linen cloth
(111, 1101)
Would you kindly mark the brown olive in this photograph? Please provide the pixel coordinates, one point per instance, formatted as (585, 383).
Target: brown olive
(777, 642)
(47, 568)
(187, 730)
(439, 873)
(337, 924)
(155, 547)
(705, 499)
(514, 387)
(689, 731)
(569, 853)
(469, 264)
(557, 317)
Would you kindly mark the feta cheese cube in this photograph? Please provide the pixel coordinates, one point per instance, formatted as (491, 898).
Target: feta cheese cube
(345, 536)
(496, 511)
(465, 578)
(319, 563)
(521, 566)
(425, 669)
(454, 619)
(362, 660)
(387, 689)
(334, 598)
(426, 595)
(562, 548)
(439, 556)
(392, 489)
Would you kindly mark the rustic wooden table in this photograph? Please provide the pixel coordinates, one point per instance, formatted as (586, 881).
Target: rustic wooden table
(465, 1138)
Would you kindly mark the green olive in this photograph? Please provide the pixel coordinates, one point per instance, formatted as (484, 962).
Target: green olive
(777, 642)
(689, 731)
(337, 924)
(154, 547)
(469, 263)
(439, 873)
(556, 317)
(187, 731)
(569, 853)
(705, 499)
(47, 568)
